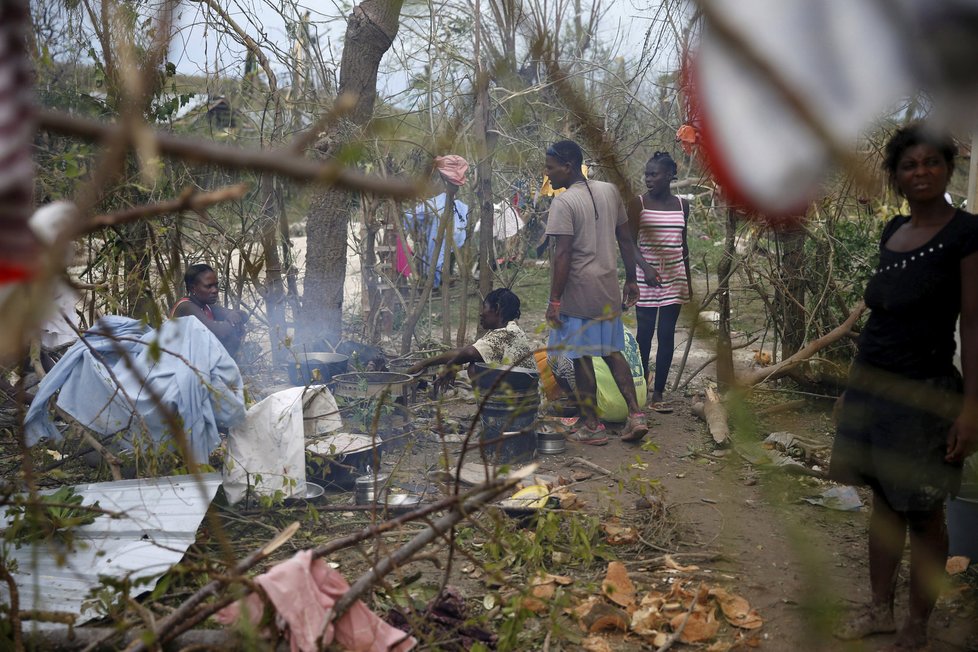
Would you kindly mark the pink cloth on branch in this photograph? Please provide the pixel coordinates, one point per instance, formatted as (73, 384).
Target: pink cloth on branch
(453, 167)
(303, 591)
(403, 251)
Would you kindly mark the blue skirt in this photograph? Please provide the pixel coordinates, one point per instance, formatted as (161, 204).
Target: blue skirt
(587, 337)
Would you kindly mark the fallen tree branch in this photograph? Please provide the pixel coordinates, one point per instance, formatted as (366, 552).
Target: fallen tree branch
(187, 616)
(780, 369)
(189, 200)
(278, 161)
(713, 359)
(475, 501)
(715, 415)
(97, 639)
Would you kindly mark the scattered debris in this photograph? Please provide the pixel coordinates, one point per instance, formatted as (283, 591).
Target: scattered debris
(843, 499)
(686, 615)
(445, 619)
(154, 522)
(957, 565)
(618, 534)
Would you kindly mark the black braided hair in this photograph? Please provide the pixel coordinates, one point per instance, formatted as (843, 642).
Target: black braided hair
(567, 152)
(505, 302)
(193, 272)
(916, 133)
(665, 160)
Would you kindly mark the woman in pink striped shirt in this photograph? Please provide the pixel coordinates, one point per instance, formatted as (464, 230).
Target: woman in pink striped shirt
(658, 221)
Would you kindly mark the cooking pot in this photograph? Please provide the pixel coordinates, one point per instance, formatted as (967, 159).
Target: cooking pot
(316, 367)
(338, 459)
(550, 443)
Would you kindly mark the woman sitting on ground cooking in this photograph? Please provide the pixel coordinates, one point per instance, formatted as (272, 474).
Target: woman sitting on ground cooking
(201, 302)
(504, 342)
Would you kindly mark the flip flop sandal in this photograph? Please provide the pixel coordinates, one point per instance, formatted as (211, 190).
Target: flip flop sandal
(662, 407)
(865, 622)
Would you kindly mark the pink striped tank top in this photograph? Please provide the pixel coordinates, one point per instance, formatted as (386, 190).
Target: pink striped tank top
(660, 239)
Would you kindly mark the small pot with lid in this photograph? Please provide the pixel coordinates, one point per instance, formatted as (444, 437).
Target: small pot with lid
(371, 488)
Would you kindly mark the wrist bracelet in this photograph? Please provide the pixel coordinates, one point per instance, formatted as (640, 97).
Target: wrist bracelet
(555, 302)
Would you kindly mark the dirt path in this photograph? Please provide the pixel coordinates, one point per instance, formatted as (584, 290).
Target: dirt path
(797, 564)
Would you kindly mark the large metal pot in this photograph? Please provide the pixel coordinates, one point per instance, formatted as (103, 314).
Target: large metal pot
(504, 379)
(340, 458)
(367, 384)
(316, 367)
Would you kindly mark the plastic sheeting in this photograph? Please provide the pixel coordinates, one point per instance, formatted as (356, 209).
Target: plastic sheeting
(127, 376)
(267, 454)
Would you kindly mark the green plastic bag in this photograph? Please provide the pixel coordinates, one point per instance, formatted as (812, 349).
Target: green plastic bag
(611, 404)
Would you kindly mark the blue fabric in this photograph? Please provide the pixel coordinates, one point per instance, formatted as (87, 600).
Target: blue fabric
(579, 337)
(426, 216)
(103, 382)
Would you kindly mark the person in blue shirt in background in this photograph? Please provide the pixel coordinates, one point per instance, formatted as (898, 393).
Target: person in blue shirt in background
(424, 219)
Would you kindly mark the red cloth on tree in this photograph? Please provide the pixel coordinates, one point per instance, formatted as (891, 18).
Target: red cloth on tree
(453, 167)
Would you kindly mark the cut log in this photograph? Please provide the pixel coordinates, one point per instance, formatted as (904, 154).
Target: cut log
(716, 418)
(781, 407)
(770, 373)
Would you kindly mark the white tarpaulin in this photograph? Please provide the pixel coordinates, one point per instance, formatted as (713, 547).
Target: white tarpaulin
(267, 454)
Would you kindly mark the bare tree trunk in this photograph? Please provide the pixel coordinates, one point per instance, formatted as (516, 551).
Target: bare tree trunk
(483, 186)
(725, 372)
(370, 30)
(274, 285)
(790, 293)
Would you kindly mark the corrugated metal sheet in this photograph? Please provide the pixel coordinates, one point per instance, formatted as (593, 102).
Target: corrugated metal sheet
(160, 521)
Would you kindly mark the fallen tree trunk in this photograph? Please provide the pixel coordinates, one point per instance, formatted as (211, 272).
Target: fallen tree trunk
(783, 367)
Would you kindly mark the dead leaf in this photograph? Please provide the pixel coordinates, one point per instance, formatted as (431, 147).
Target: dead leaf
(562, 580)
(617, 587)
(670, 563)
(660, 639)
(619, 535)
(596, 644)
(647, 622)
(544, 591)
(719, 646)
(603, 617)
(653, 599)
(534, 605)
(957, 565)
(736, 609)
(701, 626)
(583, 608)
(581, 476)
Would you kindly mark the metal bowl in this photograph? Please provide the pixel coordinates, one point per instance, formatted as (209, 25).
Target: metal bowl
(367, 384)
(400, 500)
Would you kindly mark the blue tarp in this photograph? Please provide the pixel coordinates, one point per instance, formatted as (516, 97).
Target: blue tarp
(107, 382)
